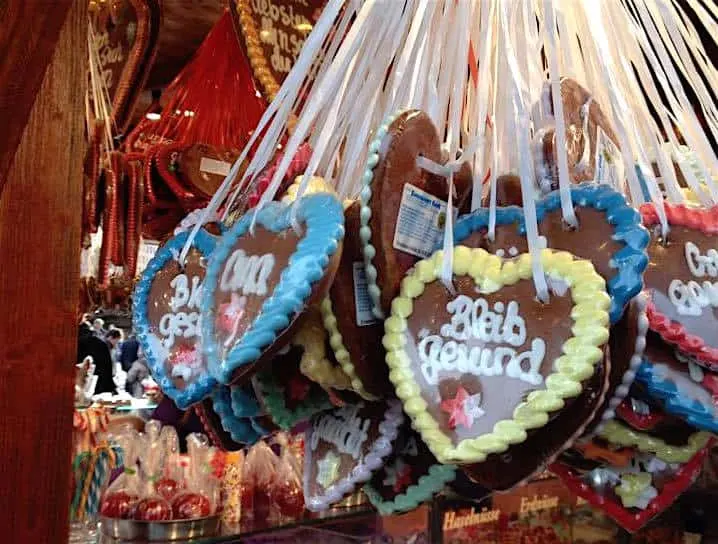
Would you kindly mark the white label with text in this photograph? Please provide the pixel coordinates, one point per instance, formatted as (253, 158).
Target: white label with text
(420, 223)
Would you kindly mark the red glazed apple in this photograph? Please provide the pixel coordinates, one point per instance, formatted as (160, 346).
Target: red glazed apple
(191, 506)
(167, 488)
(118, 505)
(153, 509)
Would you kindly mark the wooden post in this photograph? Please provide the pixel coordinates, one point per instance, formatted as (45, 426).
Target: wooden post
(40, 214)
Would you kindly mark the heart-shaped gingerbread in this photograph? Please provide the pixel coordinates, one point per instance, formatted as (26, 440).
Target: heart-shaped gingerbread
(409, 477)
(125, 41)
(610, 235)
(166, 315)
(478, 368)
(193, 172)
(682, 280)
(403, 207)
(635, 493)
(591, 144)
(287, 395)
(354, 332)
(343, 447)
(687, 393)
(259, 283)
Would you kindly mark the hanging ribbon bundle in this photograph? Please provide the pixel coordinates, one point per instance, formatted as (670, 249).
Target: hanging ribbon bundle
(510, 322)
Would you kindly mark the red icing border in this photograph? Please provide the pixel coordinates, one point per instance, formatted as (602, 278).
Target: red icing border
(628, 520)
(673, 332)
(641, 422)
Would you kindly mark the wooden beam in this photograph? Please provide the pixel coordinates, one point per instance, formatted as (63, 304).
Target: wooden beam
(40, 213)
(28, 32)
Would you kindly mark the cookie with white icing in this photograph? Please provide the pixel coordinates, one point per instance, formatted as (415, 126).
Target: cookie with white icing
(262, 277)
(344, 446)
(481, 367)
(682, 280)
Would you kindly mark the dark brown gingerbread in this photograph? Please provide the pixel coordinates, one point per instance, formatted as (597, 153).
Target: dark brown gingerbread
(412, 134)
(363, 343)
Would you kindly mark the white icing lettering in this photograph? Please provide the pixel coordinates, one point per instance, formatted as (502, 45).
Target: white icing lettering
(247, 274)
(472, 319)
(182, 324)
(701, 265)
(690, 298)
(344, 429)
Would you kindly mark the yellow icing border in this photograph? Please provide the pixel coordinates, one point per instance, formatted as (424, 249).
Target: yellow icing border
(314, 363)
(621, 435)
(316, 185)
(581, 352)
(341, 354)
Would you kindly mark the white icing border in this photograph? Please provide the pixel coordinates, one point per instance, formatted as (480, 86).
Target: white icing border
(641, 301)
(374, 459)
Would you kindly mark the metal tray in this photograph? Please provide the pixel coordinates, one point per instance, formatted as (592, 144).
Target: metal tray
(129, 529)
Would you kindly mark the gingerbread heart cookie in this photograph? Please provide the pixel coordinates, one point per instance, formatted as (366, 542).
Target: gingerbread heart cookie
(166, 316)
(617, 250)
(591, 143)
(403, 207)
(354, 332)
(687, 392)
(635, 491)
(193, 171)
(409, 477)
(260, 282)
(288, 396)
(343, 447)
(478, 368)
(682, 280)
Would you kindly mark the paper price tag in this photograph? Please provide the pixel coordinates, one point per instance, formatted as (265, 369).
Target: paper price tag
(213, 166)
(420, 225)
(362, 300)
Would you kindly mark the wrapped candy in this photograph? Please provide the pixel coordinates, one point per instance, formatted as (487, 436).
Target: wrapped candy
(287, 492)
(152, 506)
(260, 472)
(122, 496)
(200, 497)
(171, 477)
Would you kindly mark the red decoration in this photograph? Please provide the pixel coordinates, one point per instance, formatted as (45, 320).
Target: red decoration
(191, 506)
(119, 505)
(403, 479)
(153, 509)
(642, 422)
(455, 408)
(166, 488)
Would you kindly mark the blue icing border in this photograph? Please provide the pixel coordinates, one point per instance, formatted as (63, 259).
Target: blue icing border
(427, 486)
(203, 385)
(693, 411)
(631, 260)
(323, 218)
(244, 430)
(244, 401)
